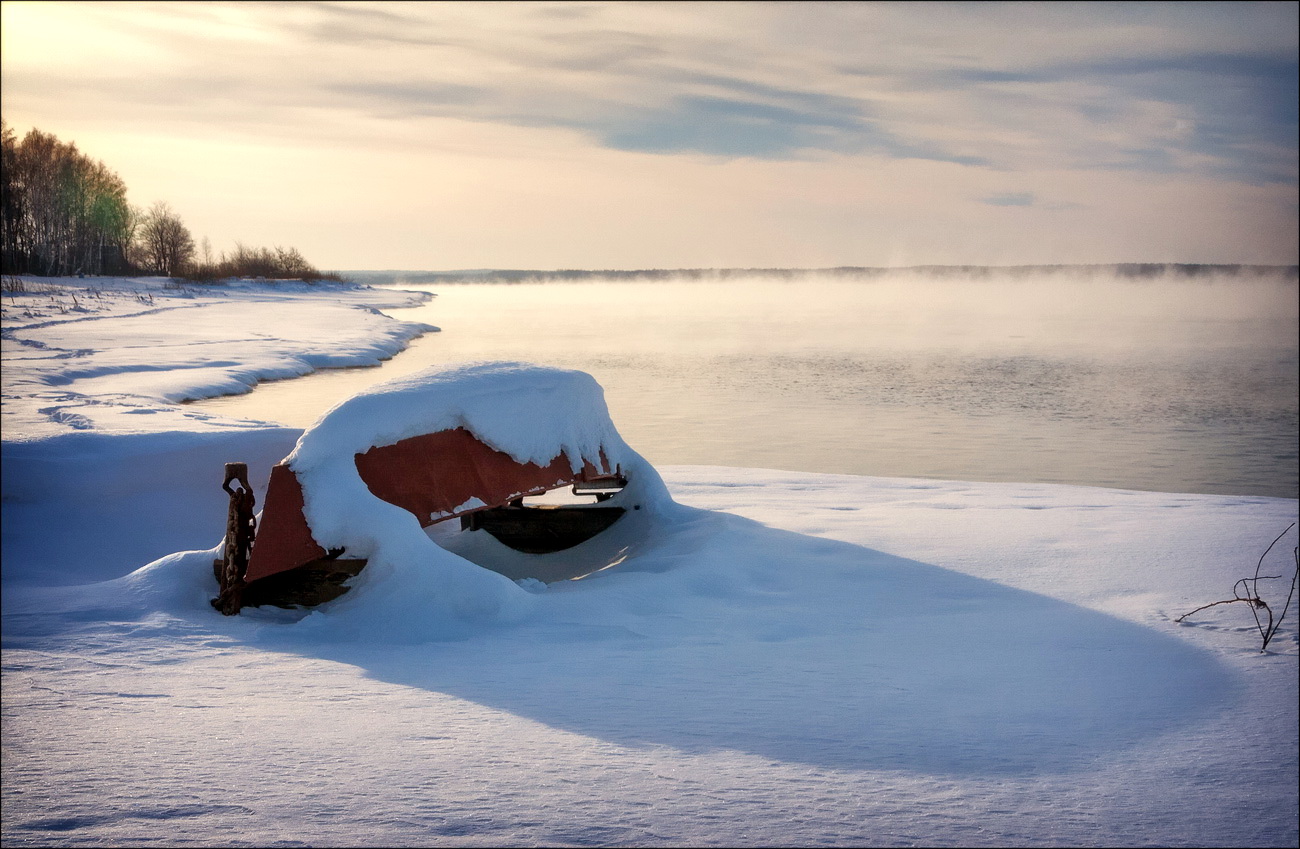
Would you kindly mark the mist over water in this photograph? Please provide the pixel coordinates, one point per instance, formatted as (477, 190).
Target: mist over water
(1159, 382)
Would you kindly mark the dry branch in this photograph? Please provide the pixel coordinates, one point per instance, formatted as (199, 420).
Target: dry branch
(1247, 590)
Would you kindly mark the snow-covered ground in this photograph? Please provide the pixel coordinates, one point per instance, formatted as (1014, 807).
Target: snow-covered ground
(100, 353)
(782, 658)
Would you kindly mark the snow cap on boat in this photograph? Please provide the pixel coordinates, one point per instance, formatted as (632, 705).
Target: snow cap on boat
(532, 413)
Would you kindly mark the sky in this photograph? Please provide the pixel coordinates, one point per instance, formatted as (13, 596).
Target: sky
(682, 135)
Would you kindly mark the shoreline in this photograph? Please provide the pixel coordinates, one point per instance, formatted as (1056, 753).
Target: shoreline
(83, 354)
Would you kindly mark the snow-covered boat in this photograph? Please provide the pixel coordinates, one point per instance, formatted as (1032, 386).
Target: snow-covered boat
(468, 443)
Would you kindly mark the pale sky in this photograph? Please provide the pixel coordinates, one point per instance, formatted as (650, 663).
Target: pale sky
(646, 135)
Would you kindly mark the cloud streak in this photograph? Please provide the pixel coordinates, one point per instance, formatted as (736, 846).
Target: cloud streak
(1156, 107)
(1010, 199)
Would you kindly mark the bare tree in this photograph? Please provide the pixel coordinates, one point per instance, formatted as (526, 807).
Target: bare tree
(63, 212)
(165, 241)
(291, 263)
(13, 200)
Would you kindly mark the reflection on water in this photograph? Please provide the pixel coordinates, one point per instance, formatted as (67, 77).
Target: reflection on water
(1184, 385)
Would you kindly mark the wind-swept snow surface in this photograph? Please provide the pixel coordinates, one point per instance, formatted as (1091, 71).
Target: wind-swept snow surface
(774, 658)
(87, 354)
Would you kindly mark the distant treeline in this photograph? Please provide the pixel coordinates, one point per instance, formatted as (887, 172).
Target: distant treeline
(64, 213)
(1002, 272)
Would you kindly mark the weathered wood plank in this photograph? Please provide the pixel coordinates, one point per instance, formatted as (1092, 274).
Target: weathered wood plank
(313, 583)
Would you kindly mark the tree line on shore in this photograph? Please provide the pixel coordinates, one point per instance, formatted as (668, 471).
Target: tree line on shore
(65, 213)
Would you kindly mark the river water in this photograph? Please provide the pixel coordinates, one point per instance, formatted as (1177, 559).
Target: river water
(1177, 385)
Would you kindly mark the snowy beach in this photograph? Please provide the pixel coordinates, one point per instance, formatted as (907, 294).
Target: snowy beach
(785, 658)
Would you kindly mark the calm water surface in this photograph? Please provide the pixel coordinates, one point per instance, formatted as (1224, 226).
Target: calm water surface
(1179, 386)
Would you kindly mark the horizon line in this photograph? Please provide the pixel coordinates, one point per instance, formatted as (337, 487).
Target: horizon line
(836, 268)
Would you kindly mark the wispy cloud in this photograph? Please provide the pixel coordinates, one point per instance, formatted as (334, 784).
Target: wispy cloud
(635, 78)
(1235, 115)
(1009, 199)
